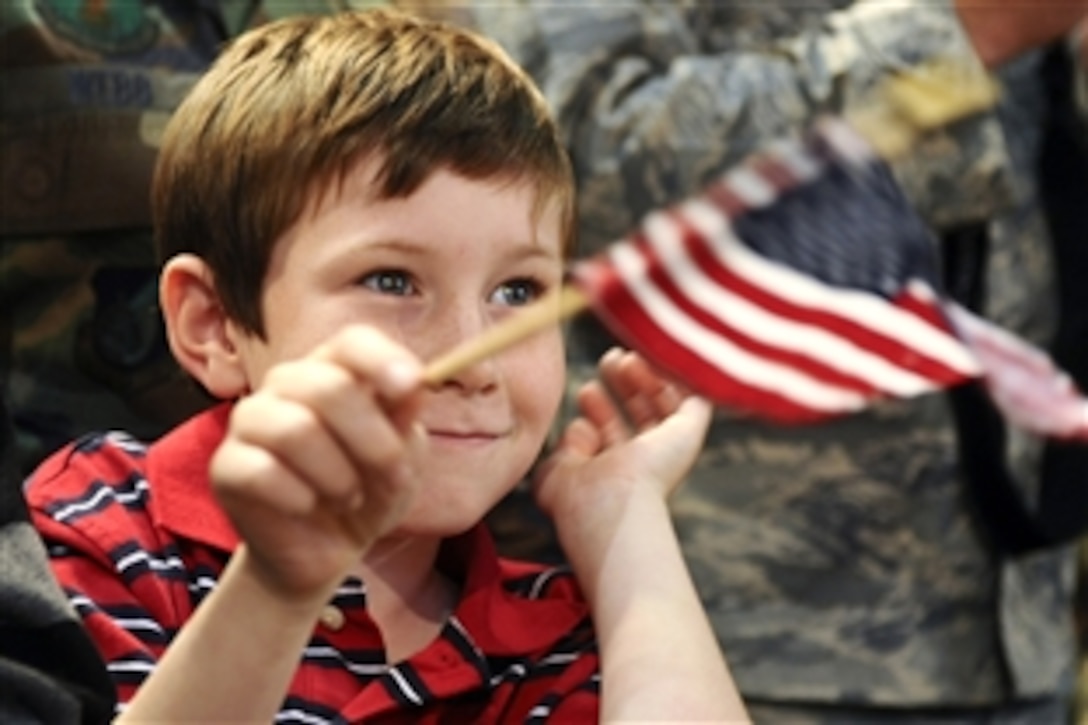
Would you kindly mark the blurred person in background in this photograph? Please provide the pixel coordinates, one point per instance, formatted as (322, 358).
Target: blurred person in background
(85, 88)
(905, 564)
(50, 672)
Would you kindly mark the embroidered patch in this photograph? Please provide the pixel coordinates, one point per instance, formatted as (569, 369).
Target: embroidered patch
(106, 26)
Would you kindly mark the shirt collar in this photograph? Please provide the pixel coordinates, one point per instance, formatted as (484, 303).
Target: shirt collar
(504, 622)
(182, 500)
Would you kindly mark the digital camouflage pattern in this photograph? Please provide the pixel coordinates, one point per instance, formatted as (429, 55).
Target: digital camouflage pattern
(840, 563)
(85, 88)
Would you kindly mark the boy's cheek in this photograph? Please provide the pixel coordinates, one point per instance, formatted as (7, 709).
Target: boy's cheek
(546, 372)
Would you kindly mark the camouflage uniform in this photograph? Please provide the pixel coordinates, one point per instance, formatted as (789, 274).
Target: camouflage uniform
(85, 89)
(840, 564)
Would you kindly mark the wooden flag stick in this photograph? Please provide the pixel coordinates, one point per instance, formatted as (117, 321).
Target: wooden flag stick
(552, 308)
(905, 107)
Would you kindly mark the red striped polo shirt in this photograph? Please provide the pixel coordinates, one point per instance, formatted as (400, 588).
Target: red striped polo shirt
(137, 541)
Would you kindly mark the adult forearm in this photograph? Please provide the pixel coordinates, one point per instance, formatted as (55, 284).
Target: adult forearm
(1000, 30)
(233, 661)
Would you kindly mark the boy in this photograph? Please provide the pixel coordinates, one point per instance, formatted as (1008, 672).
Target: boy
(337, 200)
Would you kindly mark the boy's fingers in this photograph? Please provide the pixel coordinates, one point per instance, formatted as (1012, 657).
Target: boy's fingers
(690, 422)
(391, 369)
(668, 399)
(295, 435)
(662, 394)
(580, 441)
(637, 406)
(394, 373)
(598, 409)
(364, 427)
(246, 474)
(647, 397)
(325, 424)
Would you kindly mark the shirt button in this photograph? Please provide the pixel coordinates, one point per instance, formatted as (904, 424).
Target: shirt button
(332, 617)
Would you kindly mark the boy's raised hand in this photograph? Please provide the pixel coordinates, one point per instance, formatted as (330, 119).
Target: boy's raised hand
(605, 488)
(636, 432)
(315, 465)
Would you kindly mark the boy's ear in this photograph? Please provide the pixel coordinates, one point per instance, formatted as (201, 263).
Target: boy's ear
(198, 329)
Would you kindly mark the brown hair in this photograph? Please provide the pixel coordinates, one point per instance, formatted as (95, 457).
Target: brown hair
(290, 106)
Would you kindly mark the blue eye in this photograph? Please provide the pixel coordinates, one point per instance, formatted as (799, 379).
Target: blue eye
(517, 292)
(389, 282)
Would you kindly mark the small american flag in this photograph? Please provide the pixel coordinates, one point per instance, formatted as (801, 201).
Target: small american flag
(799, 286)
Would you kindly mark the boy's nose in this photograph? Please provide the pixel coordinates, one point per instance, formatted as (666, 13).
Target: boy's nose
(453, 325)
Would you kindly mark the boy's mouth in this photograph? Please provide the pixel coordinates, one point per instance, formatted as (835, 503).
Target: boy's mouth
(462, 437)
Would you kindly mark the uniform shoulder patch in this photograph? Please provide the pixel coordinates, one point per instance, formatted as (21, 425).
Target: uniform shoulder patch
(106, 26)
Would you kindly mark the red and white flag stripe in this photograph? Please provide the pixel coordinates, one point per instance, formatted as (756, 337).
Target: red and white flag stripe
(1023, 381)
(761, 333)
(754, 333)
(751, 333)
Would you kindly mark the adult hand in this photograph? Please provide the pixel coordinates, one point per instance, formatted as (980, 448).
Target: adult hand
(1000, 30)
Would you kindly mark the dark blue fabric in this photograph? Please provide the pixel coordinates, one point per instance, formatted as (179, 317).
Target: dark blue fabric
(827, 229)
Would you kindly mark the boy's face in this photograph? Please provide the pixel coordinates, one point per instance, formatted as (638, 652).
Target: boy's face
(430, 270)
